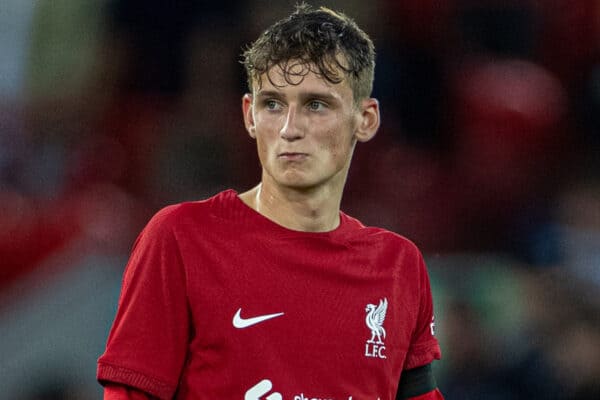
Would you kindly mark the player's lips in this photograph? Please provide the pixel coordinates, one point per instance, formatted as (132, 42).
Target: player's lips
(292, 156)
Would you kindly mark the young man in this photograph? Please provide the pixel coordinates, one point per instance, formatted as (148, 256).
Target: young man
(274, 293)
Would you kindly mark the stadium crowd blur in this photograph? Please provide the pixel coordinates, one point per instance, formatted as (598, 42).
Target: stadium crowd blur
(488, 158)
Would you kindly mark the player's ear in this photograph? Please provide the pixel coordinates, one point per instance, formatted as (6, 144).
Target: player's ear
(248, 115)
(368, 120)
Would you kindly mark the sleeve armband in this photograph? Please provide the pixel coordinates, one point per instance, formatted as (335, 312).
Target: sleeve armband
(415, 382)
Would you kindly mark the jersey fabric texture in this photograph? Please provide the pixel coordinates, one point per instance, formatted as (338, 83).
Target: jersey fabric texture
(219, 302)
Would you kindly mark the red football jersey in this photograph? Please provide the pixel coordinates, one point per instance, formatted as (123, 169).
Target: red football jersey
(219, 302)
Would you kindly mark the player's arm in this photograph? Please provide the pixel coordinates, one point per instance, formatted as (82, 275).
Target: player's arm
(418, 384)
(417, 381)
(121, 392)
(147, 345)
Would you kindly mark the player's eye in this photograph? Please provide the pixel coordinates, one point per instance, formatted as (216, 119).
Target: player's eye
(272, 105)
(316, 105)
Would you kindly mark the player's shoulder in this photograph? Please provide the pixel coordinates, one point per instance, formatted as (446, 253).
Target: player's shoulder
(382, 236)
(194, 212)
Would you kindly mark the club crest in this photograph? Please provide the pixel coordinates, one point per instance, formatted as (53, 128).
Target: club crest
(375, 346)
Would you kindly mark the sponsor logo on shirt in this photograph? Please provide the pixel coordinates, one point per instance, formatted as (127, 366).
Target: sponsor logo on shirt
(263, 387)
(375, 347)
(302, 397)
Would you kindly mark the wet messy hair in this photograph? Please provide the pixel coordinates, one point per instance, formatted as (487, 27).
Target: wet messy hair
(322, 41)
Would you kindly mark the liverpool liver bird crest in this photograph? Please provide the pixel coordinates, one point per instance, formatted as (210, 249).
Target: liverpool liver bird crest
(374, 320)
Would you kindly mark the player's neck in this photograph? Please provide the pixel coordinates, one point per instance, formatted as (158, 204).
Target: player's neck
(300, 210)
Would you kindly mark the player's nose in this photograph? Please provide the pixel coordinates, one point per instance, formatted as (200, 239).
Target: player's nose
(292, 129)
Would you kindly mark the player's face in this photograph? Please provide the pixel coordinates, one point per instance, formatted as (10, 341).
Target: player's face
(306, 133)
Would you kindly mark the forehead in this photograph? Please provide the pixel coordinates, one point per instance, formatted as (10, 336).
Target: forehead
(300, 76)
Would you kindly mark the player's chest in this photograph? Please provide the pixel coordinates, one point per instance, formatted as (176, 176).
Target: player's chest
(311, 312)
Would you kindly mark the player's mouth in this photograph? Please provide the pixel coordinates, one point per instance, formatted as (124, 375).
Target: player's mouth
(292, 156)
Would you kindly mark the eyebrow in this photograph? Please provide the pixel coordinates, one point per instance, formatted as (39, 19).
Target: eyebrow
(303, 95)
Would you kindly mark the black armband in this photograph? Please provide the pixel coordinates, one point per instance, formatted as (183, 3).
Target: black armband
(415, 382)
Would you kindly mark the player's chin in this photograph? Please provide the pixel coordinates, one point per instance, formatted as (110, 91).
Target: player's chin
(300, 182)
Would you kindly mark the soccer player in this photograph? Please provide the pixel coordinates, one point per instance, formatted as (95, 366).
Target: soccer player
(275, 293)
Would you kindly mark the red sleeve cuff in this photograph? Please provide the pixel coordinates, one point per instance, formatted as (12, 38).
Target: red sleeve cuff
(423, 355)
(120, 392)
(108, 374)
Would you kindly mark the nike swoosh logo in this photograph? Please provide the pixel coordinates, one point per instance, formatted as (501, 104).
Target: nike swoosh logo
(242, 323)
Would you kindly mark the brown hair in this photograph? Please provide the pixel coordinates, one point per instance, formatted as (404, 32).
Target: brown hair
(322, 41)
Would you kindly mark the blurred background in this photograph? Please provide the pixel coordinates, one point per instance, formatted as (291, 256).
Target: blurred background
(488, 158)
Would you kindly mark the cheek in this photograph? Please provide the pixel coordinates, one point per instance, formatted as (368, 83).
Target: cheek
(265, 134)
(334, 143)
(261, 148)
(338, 142)
(269, 125)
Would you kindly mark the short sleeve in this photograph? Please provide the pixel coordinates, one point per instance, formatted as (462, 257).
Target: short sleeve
(147, 344)
(424, 347)
(120, 392)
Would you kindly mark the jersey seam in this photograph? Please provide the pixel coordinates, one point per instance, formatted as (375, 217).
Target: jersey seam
(147, 382)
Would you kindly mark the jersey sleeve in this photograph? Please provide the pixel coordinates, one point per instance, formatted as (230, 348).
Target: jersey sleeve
(120, 392)
(433, 395)
(147, 344)
(424, 347)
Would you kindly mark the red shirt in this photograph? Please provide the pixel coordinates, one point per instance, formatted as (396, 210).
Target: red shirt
(218, 302)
